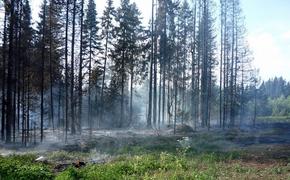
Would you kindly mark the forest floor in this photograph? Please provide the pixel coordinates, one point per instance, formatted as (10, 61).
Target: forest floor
(247, 153)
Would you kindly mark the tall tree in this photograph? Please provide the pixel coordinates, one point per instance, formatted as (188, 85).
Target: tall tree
(80, 78)
(4, 56)
(127, 30)
(66, 70)
(193, 64)
(206, 47)
(107, 36)
(149, 118)
(26, 47)
(43, 51)
(72, 74)
(55, 44)
(91, 45)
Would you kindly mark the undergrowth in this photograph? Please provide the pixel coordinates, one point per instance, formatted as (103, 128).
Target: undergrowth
(23, 167)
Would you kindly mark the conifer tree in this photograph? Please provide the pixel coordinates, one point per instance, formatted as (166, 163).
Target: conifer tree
(91, 45)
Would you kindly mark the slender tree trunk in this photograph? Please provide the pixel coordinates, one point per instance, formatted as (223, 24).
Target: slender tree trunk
(3, 110)
(80, 95)
(50, 65)
(59, 103)
(9, 108)
(255, 104)
(73, 123)
(28, 94)
(232, 108)
(225, 64)
(122, 89)
(104, 75)
(165, 59)
(221, 67)
(131, 91)
(89, 91)
(159, 96)
(193, 69)
(66, 69)
(42, 73)
(155, 84)
(175, 104)
(149, 118)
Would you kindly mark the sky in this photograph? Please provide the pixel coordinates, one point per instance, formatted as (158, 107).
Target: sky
(268, 32)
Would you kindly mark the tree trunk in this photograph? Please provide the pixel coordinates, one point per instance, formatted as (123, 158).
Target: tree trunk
(89, 91)
(3, 110)
(149, 118)
(80, 85)
(42, 74)
(73, 123)
(50, 66)
(66, 70)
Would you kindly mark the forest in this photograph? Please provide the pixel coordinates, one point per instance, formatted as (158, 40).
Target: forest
(105, 95)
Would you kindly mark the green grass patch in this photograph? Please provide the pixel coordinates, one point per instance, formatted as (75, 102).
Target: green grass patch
(66, 156)
(154, 166)
(23, 167)
(137, 167)
(274, 118)
(202, 156)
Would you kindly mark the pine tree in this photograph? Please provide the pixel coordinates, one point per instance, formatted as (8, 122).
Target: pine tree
(55, 49)
(107, 36)
(66, 70)
(4, 67)
(80, 78)
(26, 46)
(43, 32)
(193, 64)
(206, 47)
(91, 45)
(184, 24)
(127, 30)
(72, 73)
(149, 117)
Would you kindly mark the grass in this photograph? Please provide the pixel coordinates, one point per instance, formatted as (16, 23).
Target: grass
(202, 156)
(274, 118)
(177, 166)
(141, 167)
(62, 156)
(23, 167)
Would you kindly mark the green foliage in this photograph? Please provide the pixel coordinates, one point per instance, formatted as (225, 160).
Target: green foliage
(154, 166)
(23, 167)
(69, 174)
(66, 156)
(129, 168)
(172, 166)
(280, 106)
(151, 145)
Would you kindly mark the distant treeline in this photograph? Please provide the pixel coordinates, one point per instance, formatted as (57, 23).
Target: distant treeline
(274, 97)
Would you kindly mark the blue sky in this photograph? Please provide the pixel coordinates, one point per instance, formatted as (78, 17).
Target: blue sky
(268, 24)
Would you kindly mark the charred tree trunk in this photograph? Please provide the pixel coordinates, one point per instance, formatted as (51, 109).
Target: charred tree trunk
(4, 68)
(72, 98)
(66, 70)
(42, 73)
(50, 65)
(80, 85)
(149, 118)
(193, 69)
(10, 69)
(90, 123)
